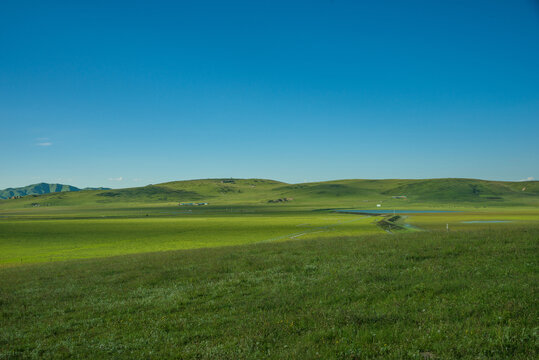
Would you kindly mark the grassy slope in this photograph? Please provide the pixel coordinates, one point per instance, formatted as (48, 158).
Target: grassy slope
(356, 193)
(422, 295)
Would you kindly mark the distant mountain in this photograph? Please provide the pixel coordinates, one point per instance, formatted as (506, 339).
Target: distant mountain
(39, 189)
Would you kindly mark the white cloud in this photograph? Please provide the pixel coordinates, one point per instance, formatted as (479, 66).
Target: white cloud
(116, 179)
(529, 178)
(44, 144)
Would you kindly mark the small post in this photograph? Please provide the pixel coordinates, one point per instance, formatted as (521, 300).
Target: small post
(447, 227)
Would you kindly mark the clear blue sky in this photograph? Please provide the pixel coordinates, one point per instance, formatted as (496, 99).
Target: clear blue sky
(112, 93)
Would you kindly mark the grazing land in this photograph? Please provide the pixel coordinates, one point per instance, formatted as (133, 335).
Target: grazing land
(24, 241)
(413, 295)
(130, 273)
(95, 223)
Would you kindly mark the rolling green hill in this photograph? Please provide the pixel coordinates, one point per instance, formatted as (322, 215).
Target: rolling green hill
(339, 193)
(463, 189)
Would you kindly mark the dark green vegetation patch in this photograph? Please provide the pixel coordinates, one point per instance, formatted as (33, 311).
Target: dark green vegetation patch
(150, 192)
(36, 189)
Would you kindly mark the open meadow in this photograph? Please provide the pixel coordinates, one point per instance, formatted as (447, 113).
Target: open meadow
(245, 277)
(24, 241)
(416, 295)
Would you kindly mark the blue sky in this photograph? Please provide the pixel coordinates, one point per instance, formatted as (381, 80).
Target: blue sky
(112, 93)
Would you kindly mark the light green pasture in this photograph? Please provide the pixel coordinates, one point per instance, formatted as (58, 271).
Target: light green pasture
(456, 220)
(28, 241)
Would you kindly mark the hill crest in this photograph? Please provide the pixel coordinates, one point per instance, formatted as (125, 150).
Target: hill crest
(40, 189)
(337, 193)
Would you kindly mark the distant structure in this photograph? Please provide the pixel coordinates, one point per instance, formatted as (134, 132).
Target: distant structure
(280, 200)
(193, 204)
(399, 197)
(378, 205)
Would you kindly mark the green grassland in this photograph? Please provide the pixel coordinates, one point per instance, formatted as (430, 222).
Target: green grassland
(96, 223)
(129, 273)
(23, 241)
(425, 295)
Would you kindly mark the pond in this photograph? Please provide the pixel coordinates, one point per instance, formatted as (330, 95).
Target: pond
(381, 212)
(486, 221)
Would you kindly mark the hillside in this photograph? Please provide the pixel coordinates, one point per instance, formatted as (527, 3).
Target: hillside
(339, 193)
(40, 189)
(36, 189)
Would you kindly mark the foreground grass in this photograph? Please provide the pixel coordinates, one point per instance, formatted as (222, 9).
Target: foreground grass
(420, 295)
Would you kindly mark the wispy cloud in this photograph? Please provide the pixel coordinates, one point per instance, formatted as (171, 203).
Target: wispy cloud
(529, 178)
(43, 141)
(116, 179)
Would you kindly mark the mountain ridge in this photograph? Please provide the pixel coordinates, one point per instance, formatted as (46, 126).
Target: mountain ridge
(41, 189)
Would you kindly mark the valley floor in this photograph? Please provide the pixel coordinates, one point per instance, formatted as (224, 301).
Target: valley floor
(25, 241)
(267, 282)
(59, 234)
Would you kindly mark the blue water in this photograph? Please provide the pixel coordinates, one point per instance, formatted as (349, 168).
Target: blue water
(485, 221)
(176, 212)
(394, 211)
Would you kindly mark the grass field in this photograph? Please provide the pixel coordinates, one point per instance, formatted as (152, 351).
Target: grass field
(23, 241)
(411, 296)
(52, 236)
(131, 274)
